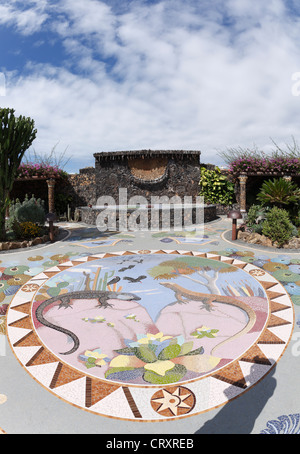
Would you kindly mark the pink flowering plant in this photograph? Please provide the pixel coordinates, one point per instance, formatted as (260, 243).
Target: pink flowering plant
(40, 170)
(240, 160)
(257, 164)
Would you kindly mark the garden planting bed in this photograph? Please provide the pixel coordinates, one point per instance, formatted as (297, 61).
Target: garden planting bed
(21, 244)
(256, 238)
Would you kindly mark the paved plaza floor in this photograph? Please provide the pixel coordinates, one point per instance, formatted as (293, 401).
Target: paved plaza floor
(149, 333)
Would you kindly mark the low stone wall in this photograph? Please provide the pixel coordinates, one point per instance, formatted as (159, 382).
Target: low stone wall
(22, 244)
(256, 238)
(9, 245)
(89, 215)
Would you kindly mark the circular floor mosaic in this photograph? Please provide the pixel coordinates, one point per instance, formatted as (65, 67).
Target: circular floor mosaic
(150, 335)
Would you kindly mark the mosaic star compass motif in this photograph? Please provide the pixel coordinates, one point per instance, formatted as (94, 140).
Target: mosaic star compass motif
(173, 403)
(150, 335)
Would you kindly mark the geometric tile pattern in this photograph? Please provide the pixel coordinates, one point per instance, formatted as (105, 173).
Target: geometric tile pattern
(151, 403)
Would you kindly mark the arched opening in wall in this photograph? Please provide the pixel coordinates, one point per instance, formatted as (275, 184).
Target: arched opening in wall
(148, 169)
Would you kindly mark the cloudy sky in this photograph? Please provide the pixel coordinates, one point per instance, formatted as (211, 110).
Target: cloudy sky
(152, 74)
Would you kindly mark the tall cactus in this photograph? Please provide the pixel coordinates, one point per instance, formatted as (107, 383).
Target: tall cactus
(16, 136)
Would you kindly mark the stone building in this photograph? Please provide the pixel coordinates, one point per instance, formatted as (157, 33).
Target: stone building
(147, 173)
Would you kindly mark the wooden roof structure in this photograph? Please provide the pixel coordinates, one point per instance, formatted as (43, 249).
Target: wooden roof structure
(132, 154)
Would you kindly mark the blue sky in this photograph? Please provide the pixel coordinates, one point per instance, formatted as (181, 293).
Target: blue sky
(174, 74)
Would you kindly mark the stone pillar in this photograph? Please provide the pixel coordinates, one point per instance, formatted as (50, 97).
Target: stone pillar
(243, 181)
(51, 185)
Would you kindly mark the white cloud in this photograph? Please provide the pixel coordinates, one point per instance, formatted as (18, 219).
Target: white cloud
(26, 21)
(175, 75)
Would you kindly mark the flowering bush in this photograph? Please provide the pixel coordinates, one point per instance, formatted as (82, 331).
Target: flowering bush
(265, 164)
(29, 230)
(41, 170)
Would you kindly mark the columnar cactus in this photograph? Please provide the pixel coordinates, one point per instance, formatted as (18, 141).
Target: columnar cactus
(16, 136)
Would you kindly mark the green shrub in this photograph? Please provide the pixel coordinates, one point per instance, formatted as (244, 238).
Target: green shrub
(256, 214)
(279, 192)
(255, 218)
(278, 226)
(215, 187)
(28, 230)
(31, 210)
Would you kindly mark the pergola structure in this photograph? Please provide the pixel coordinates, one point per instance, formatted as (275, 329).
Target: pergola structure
(51, 186)
(243, 178)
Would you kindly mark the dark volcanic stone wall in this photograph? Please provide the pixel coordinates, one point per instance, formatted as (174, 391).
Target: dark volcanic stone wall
(181, 175)
(82, 188)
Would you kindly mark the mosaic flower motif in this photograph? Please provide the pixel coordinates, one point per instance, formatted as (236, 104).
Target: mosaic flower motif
(274, 266)
(281, 259)
(35, 258)
(285, 424)
(286, 276)
(34, 271)
(3, 286)
(50, 263)
(2, 325)
(295, 268)
(18, 279)
(97, 319)
(149, 339)
(3, 309)
(60, 258)
(30, 287)
(292, 288)
(260, 262)
(7, 290)
(257, 273)
(94, 358)
(15, 270)
(155, 358)
(204, 331)
(131, 317)
(296, 299)
(11, 290)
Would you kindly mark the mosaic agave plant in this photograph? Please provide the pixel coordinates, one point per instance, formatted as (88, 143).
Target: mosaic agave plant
(158, 359)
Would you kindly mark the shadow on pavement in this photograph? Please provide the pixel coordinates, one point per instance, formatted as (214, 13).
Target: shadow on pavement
(238, 416)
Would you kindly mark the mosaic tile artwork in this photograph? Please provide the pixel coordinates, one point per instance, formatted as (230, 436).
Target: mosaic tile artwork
(104, 240)
(198, 236)
(150, 335)
(284, 425)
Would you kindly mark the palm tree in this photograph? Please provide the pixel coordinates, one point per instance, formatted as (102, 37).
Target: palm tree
(279, 192)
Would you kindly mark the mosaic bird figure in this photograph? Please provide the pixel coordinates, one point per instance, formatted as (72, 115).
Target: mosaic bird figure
(121, 270)
(134, 280)
(114, 280)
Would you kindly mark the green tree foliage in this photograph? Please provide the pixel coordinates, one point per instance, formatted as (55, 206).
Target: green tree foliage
(30, 210)
(278, 226)
(215, 187)
(279, 192)
(16, 136)
(256, 217)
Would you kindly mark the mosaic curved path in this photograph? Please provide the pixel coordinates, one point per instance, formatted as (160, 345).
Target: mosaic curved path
(174, 333)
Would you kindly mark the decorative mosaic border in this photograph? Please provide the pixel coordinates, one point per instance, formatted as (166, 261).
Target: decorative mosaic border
(151, 403)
